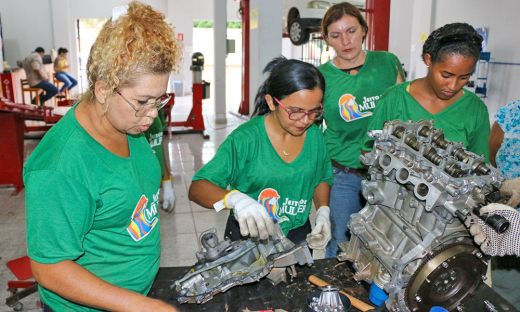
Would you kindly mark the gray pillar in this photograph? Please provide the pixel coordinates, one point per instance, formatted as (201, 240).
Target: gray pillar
(220, 27)
(265, 41)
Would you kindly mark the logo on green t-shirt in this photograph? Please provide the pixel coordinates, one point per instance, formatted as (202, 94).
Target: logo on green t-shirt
(143, 220)
(155, 140)
(349, 110)
(269, 199)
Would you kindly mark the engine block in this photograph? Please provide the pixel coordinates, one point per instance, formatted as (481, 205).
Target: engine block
(410, 239)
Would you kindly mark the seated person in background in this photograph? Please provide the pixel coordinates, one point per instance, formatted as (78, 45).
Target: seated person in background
(37, 76)
(276, 163)
(450, 53)
(60, 68)
(154, 135)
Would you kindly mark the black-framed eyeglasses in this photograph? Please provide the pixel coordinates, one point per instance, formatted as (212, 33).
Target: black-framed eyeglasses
(148, 107)
(299, 115)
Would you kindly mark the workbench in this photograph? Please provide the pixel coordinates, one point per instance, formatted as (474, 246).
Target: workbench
(292, 296)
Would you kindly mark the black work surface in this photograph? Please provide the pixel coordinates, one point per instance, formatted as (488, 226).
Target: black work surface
(262, 295)
(292, 296)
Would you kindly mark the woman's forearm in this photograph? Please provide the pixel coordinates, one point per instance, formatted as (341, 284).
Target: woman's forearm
(205, 193)
(75, 283)
(321, 195)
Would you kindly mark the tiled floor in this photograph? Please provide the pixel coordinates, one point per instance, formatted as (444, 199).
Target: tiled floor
(179, 229)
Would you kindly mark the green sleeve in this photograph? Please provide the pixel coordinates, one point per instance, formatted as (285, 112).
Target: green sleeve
(223, 167)
(479, 141)
(162, 118)
(327, 175)
(399, 67)
(59, 213)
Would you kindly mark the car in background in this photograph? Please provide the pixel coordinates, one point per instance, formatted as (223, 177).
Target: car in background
(303, 17)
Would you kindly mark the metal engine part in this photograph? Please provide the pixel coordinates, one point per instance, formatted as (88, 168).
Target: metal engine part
(222, 265)
(329, 300)
(409, 239)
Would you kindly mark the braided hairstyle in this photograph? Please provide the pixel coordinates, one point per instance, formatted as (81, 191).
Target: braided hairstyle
(285, 78)
(456, 38)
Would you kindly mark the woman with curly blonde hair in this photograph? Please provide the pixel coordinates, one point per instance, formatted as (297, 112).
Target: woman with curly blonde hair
(92, 183)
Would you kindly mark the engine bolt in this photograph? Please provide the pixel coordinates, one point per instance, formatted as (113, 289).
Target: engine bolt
(459, 308)
(445, 265)
(479, 255)
(418, 299)
(484, 277)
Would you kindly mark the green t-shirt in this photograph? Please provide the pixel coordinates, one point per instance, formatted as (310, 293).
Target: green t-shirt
(466, 120)
(154, 135)
(86, 204)
(349, 101)
(247, 161)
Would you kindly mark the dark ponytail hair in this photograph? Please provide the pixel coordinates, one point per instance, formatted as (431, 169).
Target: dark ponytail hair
(62, 50)
(456, 38)
(285, 78)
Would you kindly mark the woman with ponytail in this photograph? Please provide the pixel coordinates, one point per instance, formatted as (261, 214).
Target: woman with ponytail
(274, 164)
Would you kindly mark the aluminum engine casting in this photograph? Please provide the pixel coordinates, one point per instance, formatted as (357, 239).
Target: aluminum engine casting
(226, 264)
(409, 238)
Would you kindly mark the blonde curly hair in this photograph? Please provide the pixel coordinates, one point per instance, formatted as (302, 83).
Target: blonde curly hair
(137, 43)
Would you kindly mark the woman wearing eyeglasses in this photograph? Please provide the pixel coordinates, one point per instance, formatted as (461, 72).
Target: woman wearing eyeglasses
(276, 163)
(92, 183)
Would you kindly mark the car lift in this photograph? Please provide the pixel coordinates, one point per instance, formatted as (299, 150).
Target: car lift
(195, 119)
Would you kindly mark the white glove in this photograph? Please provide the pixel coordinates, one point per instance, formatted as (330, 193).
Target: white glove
(511, 188)
(320, 235)
(491, 242)
(168, 196)
(251, 216)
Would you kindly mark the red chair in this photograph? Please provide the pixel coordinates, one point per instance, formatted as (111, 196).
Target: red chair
(21, 268)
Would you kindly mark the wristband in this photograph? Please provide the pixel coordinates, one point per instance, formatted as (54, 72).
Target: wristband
(169, 179)
(221, 204)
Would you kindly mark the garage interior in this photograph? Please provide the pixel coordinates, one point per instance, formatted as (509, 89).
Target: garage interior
(216, 29)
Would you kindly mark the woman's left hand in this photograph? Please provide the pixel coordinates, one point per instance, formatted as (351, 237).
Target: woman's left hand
(511, 188)
(320, 235)
(168, 196)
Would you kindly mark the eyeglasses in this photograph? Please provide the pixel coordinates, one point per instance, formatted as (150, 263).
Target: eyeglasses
(299, 115)
(148, 107)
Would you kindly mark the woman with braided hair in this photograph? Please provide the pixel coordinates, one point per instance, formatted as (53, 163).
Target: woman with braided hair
(450, 53)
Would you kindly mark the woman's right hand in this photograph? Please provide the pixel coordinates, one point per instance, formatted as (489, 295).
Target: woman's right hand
(251, 216)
